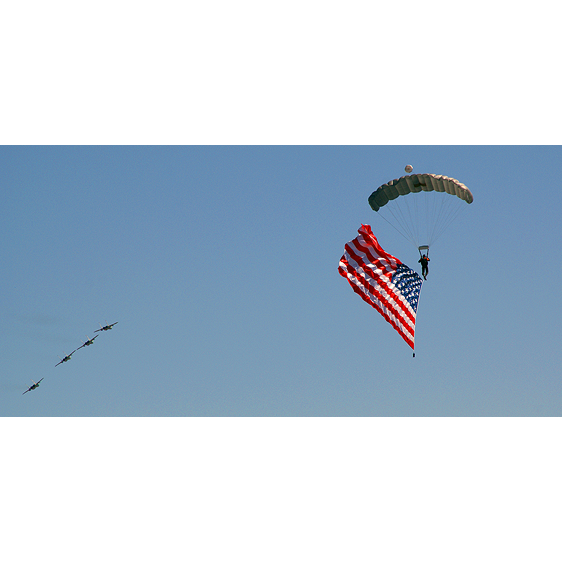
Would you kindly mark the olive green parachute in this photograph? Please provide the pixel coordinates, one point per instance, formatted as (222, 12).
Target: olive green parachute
(420, 206)
(416, 183)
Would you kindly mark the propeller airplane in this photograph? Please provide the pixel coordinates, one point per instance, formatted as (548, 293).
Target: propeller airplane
(65, 358)
(105, 328)
(33, 386)
(87, 342)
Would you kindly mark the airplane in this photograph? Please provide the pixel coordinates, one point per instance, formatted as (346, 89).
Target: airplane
(65, 358)
(88, 342)
(33, 386)
(104, 328)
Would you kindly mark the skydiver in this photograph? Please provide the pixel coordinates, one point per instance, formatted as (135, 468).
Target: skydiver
(424, 260)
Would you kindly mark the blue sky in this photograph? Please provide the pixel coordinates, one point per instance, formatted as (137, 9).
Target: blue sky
(220, 265)
(246, 392)
(272, 388)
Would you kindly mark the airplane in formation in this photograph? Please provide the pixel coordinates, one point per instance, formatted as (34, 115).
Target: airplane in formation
(33, 386)
(65, 358)
(87, 342)
(105, 328)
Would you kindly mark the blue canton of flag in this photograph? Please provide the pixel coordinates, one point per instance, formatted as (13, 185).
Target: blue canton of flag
(409, 283)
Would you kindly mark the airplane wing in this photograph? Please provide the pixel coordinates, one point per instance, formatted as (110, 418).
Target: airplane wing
(29, 389)
(41, 380)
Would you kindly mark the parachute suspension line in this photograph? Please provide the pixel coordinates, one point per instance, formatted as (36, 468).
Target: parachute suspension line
(454, 212)
(428, 216)
(393, 226)
(416, 222)
(440, 212)
(402, 224)
(411, 225)
(440, 202)
(406, 215)
(438, 215)
(406, 218)
(413, 220)
(448, 212)
(433, 217)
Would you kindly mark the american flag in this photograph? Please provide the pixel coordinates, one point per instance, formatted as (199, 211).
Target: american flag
(383, 281)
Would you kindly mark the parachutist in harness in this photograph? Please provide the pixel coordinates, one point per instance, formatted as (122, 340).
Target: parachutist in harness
(424, 260)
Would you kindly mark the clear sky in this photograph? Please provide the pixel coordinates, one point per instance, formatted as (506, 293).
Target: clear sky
(248, 405)
(220, 266)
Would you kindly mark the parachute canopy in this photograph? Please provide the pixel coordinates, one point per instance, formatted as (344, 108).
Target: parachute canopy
(416, 183)
(420, 206)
